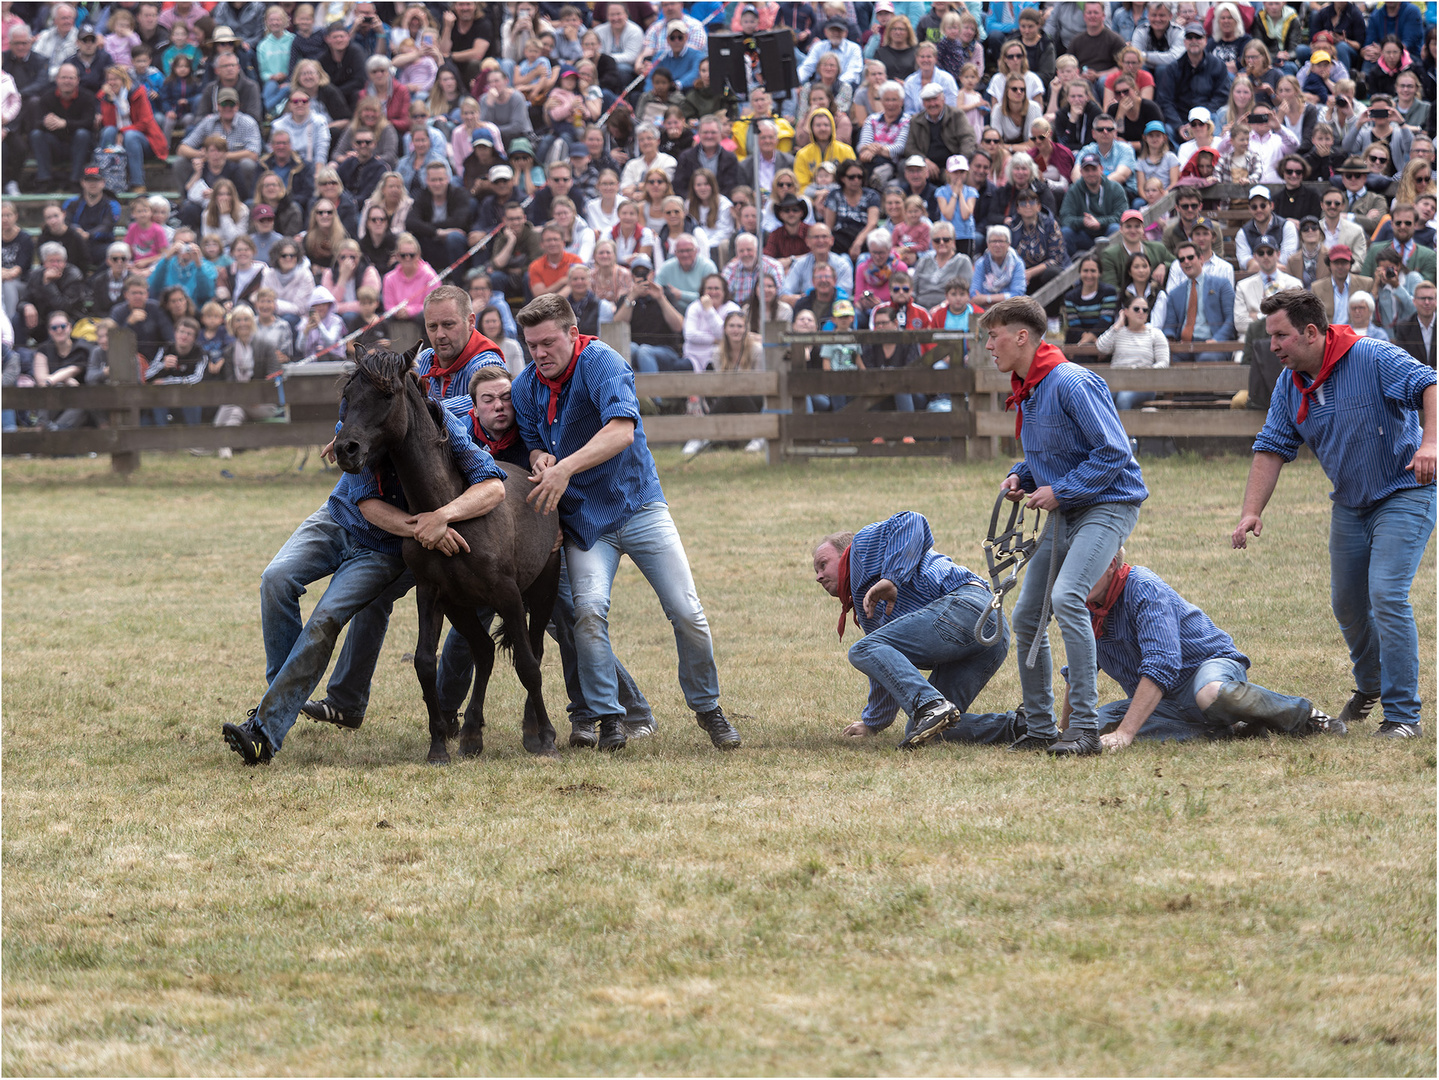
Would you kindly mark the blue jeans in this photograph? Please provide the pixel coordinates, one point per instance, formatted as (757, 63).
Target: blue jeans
(939, 636)
(652, 358)
(1178, 716)
(296, 656)
(1094, 535)
(457, 666)
(1126, 400)
(1373, 556)
(46, 147)
(1080, 239)
(349, 686)
(135, 146)
(909, 402)
(274, 94)
(653, 543)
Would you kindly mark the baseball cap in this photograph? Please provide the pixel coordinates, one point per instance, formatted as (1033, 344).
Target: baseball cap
(956, 163)
(1155, 125)
(227, 96)
(1091, 159)
(931, 90)
(1308, 221)
(578, 148)
(1194, 29)
(1200, 113)
(1205, 223)
(86, 31)
(841, 308)
(1319, 56)
(884, 5)
(1259, 191)
(916, 161)
(1264, 242)
(1131, 215)
(676, 26)
(482, 137)
(1341, 251)
(567, 71)
(837, 22)
(262, 213)
(90, 173)
(501, 172)
(642, 260)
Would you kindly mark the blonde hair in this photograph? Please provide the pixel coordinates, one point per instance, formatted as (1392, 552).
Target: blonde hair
(212, 212)
(904, 23)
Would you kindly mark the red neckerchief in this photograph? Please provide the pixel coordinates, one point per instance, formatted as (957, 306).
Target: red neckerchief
(477, 344)
(1099, 612)
(846, 596)
(556, 385)
(1337, 342)
(1046, 358)
(493, 445)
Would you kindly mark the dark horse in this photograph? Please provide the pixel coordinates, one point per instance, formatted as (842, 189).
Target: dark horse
(512, 563)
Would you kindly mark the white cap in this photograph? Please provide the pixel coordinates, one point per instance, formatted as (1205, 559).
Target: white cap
(501, 172)
(956, 163)
(1259, 191)
(915, 160)
(1199, 112)
(931, 90)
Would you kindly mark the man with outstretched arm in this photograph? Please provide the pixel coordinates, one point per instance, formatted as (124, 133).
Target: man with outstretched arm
(1077, 466)
(918, 609)
(1356, 402)
(580, 420)
(355, 540)
(1182, 674)
(492, 422)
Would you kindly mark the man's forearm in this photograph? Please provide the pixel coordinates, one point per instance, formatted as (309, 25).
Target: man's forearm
(1429, 432)
(612, 439)
(1263, 475)
(1147, 697)
(384, 516)
(476, 501)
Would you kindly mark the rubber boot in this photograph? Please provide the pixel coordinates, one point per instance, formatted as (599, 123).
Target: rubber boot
(1248, 703)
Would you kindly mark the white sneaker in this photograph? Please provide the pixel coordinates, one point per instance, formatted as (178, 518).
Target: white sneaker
(694, 446)
(755, 446)
(12, 188)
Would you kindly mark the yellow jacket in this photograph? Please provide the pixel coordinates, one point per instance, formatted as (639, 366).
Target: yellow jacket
(809, 155)
(741, 130)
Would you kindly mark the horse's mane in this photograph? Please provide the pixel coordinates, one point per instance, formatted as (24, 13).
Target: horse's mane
(387, 372)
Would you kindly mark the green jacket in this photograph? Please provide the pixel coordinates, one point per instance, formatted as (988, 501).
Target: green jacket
(1114, 260)
(1423, 260)
(1106, 206)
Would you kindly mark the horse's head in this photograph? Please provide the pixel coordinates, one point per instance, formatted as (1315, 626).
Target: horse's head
(375, 409)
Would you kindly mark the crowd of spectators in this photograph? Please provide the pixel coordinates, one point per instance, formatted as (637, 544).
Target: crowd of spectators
(333, 162)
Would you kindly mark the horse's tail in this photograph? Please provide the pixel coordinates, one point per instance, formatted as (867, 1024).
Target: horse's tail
(507, 632)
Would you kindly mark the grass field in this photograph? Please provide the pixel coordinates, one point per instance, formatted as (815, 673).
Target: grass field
(802, 906)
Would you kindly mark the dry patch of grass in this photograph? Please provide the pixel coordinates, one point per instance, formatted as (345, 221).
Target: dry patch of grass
(801, 906)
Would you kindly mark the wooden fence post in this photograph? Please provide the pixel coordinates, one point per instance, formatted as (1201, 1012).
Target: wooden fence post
(124, 370)
(617, 336)
(776, 359)
(403, 334)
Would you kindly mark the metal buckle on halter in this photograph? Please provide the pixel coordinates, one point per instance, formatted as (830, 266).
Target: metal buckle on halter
(1009, 551)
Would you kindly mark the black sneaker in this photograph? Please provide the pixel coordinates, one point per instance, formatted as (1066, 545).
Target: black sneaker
(1393, 729)
(720, 730)
(612, 733)
(248, 740)
(1027, 742)
(929, 722)
(1076, 743)
(1322, 724)
(326, 713)
(582, 733)
(1357, 708)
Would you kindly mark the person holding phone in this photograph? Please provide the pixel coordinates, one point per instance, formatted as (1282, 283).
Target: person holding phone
(656, 325)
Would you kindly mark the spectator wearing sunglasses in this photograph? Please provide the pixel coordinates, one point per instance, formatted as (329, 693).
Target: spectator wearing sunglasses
(1294, 201)
(1134, 342)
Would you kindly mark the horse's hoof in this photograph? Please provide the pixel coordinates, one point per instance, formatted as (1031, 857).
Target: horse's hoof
(548, 757)
(471, 747)
(438, 756)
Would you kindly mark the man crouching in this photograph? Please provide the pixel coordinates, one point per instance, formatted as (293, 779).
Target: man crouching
(918, 608)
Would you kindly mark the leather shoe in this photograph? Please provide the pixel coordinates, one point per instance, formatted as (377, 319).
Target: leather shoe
(582, 733)
(1028, 742)
(1076, 743)
(612, 733)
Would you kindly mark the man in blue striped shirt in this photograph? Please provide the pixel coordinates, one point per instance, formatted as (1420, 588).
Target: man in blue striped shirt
(1077, 466)
(1355, 401)
(355, 539)
(1182, 674)
(918, 609)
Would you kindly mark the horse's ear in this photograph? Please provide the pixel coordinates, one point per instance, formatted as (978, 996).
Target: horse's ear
(415, 350)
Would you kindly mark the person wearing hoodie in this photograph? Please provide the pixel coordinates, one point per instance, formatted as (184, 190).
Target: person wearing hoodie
(822, 146)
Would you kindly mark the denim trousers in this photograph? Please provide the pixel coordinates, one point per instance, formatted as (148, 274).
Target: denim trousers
(653, 543)
(1178, 716)
(349, 686)
(1126, 400)
(652, 358)
(1093, 536)
(296, 655)
(1373, 556)
(274, 94)
(135, 146)
(1081, 239)
(940, 637)
(46, 147)
(457, 665)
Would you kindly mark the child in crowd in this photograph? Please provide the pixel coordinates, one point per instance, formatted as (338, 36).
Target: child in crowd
(971, 102)
(212, 249)
(180, 45)
(823, 183)
(323, 329)
(1318, 86)
(213, 337)
(179, 94)
(1066, 70)
(532, 75)
(1321, 159)
(150, 78)
(120, 37)
(952, 53)
(1240, 165)
(147, 240)
(273, 56)
(911, 236)
(377, 336)
(843, 357)
(956, 202)
(1154, 191)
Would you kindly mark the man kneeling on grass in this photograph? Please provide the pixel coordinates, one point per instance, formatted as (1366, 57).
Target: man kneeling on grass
(355, 540)
(918, 608)
(1183, 675)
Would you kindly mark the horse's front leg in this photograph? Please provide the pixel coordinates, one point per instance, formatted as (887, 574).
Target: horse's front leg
(482, 647)
(431, 619)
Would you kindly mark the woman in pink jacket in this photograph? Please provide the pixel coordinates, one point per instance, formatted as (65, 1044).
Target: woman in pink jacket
(411, 280)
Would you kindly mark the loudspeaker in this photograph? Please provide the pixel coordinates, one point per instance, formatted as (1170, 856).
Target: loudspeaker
(776, 60)
(727, 53)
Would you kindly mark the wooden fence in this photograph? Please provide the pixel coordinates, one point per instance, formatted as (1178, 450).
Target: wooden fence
(974, 426)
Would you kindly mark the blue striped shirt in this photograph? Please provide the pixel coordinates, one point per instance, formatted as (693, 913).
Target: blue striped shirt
(902, 550)
(602, 388)
(1074, 442)
(1154, 633)
(439, 386)
(474, 461)
(1364, 424)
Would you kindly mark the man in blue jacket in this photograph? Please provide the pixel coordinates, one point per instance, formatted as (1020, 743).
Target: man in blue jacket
(1200, 306)
(1196, 78)
(1078, 468)
(1356, 403)
(1182, 675)
(580, 420)
(918, 609)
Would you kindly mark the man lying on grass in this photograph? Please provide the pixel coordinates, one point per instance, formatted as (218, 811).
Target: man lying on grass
(918, 608)
(1184, 677)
